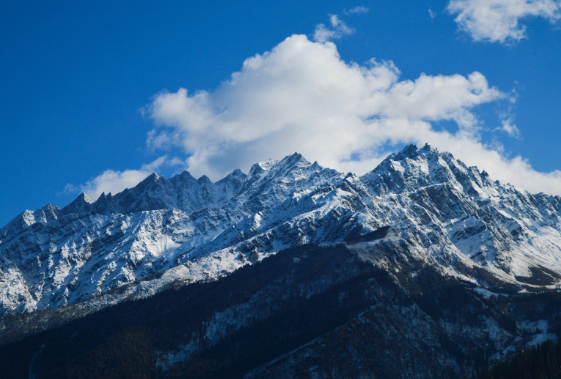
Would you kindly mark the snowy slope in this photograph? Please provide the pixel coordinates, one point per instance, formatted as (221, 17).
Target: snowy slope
(419, 204)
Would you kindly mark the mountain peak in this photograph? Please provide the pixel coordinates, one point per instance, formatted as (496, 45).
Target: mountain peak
(204, 179)
(409, 151)
(267, 164)
(287, 162)
(152, 178)
(237, 172)
(236, 175)
(183, 179)
(295, 159)
(81, 204)
(292, 166)
(412, 151)
(261, 167)
(85, 198)
(413, 168)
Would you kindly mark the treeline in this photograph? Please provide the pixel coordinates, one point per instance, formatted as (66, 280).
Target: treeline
(539, 362)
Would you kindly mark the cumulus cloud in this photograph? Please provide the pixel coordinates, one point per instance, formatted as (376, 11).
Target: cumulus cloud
(357, 9)
(111, 181)
(301, 96)
(500, 20)
(335, 30)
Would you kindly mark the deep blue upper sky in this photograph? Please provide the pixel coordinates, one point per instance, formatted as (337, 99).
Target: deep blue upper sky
(75, 74)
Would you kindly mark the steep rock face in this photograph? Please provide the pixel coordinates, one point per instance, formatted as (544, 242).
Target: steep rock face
(492, 224)
(449, 216)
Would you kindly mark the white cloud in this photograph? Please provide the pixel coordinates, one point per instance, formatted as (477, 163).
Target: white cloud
(336, 30)
(357, 9)
(111, 181)
(302, 97)
(500, 20)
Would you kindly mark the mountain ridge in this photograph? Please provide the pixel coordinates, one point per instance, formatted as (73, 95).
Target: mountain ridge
(452, 216)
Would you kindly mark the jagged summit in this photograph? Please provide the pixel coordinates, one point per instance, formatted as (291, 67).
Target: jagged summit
(150, 180)
(48, 213)
(413, 152)
(86, 198)
(409, 151)
(82, 203)
(186, 193)
(295, 159)
(414, 168)
(237, 172)
(151, 193)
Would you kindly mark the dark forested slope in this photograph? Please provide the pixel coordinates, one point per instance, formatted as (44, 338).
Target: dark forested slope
(304, 312)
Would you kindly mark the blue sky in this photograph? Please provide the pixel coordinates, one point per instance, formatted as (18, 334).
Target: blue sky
(82, 89)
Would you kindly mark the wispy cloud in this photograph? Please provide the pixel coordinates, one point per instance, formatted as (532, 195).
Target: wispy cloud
(510, 128)
(335, 30)
(432, 15)
(501, 20)
(356, 10)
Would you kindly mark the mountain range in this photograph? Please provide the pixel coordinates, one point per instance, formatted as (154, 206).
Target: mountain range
(422, 268)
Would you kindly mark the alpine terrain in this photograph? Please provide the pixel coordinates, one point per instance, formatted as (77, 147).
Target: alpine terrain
(422, 268)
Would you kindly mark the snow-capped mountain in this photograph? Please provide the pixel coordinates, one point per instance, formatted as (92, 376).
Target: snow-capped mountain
(419, 205)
